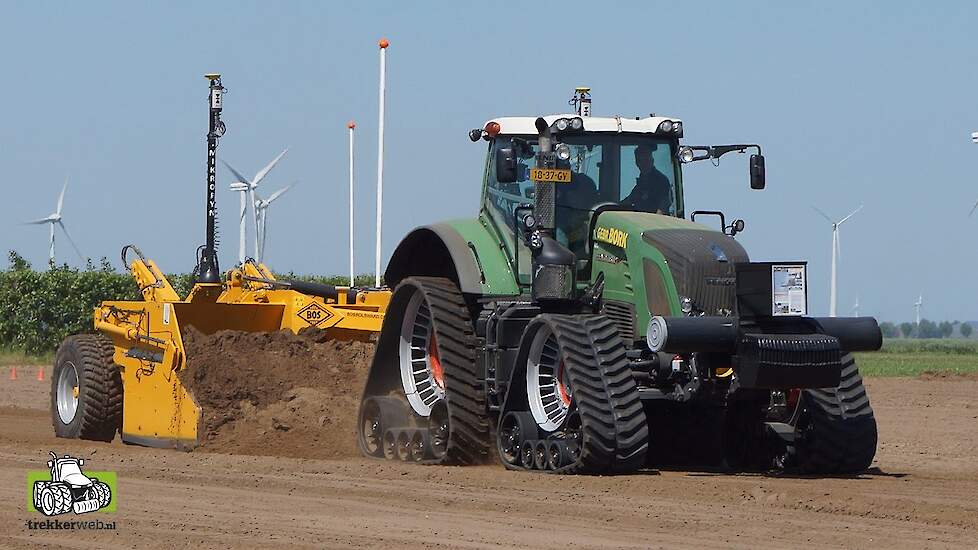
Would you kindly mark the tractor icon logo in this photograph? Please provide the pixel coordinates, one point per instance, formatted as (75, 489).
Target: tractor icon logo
(69, 489)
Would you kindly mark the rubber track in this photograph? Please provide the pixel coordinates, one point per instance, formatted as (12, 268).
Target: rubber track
(841, 434)
(468, 438)
(100, 394)
(615, 430)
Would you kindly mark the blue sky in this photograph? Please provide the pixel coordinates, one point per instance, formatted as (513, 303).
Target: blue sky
(854, 103)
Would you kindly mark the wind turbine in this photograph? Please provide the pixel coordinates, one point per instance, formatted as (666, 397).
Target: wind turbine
(916, 307)
(262, 208)
(855, 308)
(252, 185)
(56, 219)
(836, 252)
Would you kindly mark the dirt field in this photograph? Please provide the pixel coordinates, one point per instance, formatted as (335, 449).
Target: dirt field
(923, 493)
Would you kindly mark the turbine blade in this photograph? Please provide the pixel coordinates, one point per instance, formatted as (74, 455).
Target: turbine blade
(35, 222)
(851, 214)
(264, 171)
(823, 214)
(236, 173)
(70, 240)
(279, 193)
(973, 208)
(61, 197)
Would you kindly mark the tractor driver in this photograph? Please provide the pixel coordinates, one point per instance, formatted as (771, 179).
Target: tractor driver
(652, 191)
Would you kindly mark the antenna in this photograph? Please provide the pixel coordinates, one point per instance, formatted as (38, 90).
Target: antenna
(207, 269)
(581, 101)
(380, 154)
(351, 126)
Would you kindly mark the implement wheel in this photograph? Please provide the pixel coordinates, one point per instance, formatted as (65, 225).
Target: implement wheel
(86, 389)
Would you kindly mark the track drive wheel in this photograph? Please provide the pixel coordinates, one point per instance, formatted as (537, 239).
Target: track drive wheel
(835, 429)
(579, 391)
(86, 389)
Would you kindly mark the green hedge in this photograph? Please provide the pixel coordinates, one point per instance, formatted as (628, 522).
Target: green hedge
(38, 309)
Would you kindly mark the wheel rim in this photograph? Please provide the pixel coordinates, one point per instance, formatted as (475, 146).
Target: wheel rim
(511, 439)
(67, 392)
(438, 429)
(547, 389)
(372, 430)
(422, 375)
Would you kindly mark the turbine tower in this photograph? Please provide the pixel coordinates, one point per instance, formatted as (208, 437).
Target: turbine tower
(916, 307)
(56, 219)
(252, 186)
(262, 208)
(855, 308)
(836, 252)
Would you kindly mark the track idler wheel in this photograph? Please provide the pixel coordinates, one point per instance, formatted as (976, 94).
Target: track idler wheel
(580, 397)
(378, 415)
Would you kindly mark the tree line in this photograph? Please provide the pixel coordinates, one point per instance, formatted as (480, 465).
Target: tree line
(38, 309)
(926, 329)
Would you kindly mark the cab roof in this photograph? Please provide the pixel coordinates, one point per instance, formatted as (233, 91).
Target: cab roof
(522, 125)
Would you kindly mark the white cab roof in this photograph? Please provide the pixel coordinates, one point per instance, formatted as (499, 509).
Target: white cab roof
(524, 124)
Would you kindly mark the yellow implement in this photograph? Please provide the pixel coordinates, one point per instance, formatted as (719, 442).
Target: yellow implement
(157, 410)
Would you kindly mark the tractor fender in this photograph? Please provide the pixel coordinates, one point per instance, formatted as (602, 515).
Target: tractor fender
(462, 251)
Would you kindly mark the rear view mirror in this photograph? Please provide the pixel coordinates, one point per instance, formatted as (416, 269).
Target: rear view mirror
(757, 178)
(505, 165)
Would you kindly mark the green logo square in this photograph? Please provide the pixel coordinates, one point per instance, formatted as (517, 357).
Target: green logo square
(109, 478)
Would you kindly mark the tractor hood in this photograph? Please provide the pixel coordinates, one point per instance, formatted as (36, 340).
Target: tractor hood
(675, 259)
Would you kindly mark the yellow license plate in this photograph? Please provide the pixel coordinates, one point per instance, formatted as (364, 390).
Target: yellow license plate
(550, 174)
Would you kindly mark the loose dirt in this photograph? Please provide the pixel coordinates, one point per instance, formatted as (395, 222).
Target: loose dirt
(922, 492)
(276, 394)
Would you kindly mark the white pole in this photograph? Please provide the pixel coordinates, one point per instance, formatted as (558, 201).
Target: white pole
(351, 125)
(380, 154)
(241, 228)
(835, 252)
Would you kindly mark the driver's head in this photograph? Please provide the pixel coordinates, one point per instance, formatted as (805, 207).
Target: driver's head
(643, 158)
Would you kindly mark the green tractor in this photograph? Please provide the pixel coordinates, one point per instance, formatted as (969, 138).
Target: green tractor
(581, 324)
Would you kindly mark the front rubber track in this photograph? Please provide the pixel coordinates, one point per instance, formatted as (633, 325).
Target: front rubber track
(615, 431)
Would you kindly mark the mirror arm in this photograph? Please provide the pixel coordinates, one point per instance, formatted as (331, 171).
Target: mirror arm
(716, 151)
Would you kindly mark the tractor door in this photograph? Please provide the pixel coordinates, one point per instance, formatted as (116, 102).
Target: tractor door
(499, 205)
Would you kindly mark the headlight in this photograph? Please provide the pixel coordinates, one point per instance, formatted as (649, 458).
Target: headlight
(686, 155)
(563, 152)
(577, 124)
(686, 304)
(562, 124)
(666, 126)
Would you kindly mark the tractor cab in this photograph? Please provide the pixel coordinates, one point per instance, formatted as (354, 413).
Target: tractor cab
(625, 164)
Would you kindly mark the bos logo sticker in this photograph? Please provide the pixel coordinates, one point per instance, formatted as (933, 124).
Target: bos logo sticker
(314, 314)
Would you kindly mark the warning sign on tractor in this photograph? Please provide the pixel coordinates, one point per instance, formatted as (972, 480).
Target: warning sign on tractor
(314, 314)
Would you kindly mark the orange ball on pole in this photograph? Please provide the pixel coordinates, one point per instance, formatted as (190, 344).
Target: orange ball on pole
(383, 43)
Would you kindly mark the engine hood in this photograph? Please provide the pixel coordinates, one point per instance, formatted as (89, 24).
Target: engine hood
(699, 259)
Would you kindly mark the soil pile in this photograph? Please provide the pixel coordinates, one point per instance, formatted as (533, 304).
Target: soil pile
(276, 393)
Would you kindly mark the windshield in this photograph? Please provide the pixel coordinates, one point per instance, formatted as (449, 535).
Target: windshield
(635, 171)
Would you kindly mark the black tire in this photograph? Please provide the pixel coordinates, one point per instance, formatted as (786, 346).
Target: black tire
(103, 493)
(468, 437)
(98, 414)
(55, 499)
(614, 430)
(835, 429)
